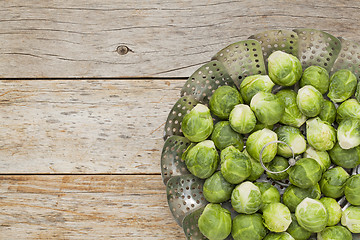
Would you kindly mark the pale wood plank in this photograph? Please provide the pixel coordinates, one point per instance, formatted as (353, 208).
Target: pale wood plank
(84, 126)
(168, 38)
(85, 207)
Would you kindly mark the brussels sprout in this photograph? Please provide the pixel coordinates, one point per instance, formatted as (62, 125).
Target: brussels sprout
(342, 85)
(246, 198)
(346, 158)
(279, 236)
(357, 92)
(215, 222)
(334, 210)
(352, 190)
(322, 157)
(320, 135)
(256, 169)
(348, 109)
(224, 99)
(198, 124)
(216, 189)
(284, 69)
(201, 159)
(334, 233)
(309, 101)
(292, 115)
(317, 77)
(257, 140)
(242, 119)
(333, 181)
(296, 231)
(224, 136)
(348, 133)
(311, 214)
(350, 218)
(276, 217)
(294, 195)
(328, 112)
(293, 137)
(235, 165)
(269, 193)
(276, 165)
(251, 85)
(248, 227)
(268, 108)
(305, 173)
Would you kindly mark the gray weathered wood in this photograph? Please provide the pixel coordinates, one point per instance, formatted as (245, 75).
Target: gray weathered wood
(84, 126)
(166, 38)
(85, 207)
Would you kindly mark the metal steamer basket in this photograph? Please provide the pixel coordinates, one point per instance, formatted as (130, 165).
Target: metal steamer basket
(229, 67)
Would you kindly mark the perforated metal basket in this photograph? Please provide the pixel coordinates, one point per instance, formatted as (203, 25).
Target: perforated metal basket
(229, 67)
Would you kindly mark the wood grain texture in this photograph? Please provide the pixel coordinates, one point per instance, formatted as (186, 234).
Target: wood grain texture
(84, 126)
(167, 38)
(85, 207)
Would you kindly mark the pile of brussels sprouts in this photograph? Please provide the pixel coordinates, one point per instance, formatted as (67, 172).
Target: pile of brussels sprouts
(318, 116)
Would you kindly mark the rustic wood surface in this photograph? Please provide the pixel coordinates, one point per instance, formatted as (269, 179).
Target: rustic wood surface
(166, 38)
(85, 90)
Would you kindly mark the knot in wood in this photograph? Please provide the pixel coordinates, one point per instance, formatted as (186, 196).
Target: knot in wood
(122, 49)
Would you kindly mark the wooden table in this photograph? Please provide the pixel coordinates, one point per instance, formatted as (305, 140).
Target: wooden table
(85, 90)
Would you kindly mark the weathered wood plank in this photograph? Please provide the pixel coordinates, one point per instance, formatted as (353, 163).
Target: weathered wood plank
(84, 126)
(85, 207)
(167, 38)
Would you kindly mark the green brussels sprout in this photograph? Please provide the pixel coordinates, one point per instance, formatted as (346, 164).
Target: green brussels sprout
(311, 214)
(309, 101)
(320, 135)
(292, 115)
(257, 140)
(242, 119)
(256, 169)
(335, 233)
(223, 100)
(328, 112)
(201, 159)
(352, 190)
(224, 136)
(253, 84)
(317, 77)
(268, 108)
(333, 181)
(279, 236)
(269, 193)
(334, 210)
(348, 109)
(246, 198)
(216, 189)
(215, 222)
(296, 231)
(293, 137)
(277, 217)
(322, 157)
(276, 165)
(294, 195)
(305, 173)
(350, 218)
(261, 126)
(346, 158)
(342, 85)
(198, 124)
(284, 69)
(348, 133)
(235, 165)
(248, 227)
(357, 92)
